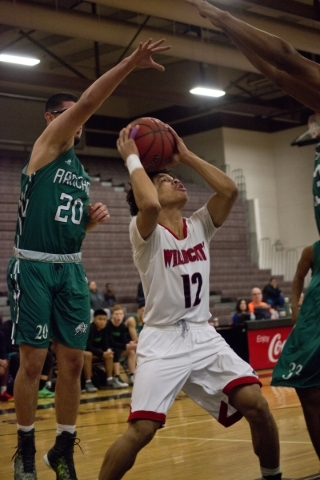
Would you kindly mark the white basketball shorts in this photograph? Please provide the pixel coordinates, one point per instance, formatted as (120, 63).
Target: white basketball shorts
(189, 357)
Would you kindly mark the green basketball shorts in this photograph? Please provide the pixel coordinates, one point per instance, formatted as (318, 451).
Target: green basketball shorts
(49, 301)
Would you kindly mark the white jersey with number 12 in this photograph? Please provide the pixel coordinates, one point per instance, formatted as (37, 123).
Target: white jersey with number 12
(175, 273)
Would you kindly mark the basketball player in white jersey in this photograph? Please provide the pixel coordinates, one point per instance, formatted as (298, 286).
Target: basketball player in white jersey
(177, 347)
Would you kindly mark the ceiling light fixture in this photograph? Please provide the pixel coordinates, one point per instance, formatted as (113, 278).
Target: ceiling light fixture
(207, 92)
(19, 60)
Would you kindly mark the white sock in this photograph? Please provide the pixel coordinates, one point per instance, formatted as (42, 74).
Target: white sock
(87, 381)
(3, 389)
(65, 428)
(24, 428)
(269, 471)
(49, 384)
(109, 379)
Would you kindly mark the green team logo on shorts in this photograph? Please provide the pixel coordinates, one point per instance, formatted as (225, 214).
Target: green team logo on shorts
(81, 329)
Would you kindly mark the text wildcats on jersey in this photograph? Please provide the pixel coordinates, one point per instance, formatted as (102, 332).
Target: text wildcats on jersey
(172, 258)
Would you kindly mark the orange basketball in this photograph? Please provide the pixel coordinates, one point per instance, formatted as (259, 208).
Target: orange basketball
(155, 143)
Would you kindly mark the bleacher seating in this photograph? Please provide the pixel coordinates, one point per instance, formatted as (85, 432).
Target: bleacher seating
(107, 254)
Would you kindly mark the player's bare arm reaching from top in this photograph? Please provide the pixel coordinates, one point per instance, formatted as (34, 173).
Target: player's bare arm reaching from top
(59, 135)
(272, 56)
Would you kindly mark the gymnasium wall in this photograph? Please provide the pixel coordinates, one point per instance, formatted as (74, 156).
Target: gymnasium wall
(278, 176)
(294, 175)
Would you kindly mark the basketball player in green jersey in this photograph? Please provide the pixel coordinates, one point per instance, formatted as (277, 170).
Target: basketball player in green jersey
(279, 62)
(298, 365)
(300, 78)
(49, 295)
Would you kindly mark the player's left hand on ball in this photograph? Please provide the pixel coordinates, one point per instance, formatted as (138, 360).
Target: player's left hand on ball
(98, 212)
(126, 144)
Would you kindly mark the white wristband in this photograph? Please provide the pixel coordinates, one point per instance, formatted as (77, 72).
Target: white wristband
(133, 162)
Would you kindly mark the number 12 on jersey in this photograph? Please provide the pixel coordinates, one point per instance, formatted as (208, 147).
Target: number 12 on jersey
(196, 279)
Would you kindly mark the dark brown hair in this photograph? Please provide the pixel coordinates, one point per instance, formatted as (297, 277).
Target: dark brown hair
(130, 197)
(55, 101)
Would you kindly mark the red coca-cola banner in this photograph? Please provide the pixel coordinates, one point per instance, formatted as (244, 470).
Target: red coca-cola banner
(266, 345)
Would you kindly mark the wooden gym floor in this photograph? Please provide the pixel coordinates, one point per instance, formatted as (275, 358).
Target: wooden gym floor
(191, 446)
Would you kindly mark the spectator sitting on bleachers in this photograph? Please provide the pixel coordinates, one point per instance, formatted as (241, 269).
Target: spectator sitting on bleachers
(242, 313)
(4, 371)
(134, 323)
(121, 345)
(272, 294)
(12, 352)
(96, 298)
(98, 349)
(109, 296)
(257, 304)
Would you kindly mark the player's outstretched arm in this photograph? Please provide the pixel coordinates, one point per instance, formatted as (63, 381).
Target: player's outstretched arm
(288, 64)
(292, 86)
(145, 193)
(59, 135)
(303, 267)
(225, 189)
(269, 47)
(102, 88)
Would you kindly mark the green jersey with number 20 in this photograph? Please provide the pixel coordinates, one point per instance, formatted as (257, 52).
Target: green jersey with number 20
(53, 207)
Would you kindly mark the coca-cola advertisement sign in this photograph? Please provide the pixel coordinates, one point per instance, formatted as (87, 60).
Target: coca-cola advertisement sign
(266, 345)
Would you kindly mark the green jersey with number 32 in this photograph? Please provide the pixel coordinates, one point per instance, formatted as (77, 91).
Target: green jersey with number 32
(298, 365)
(53, 207)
